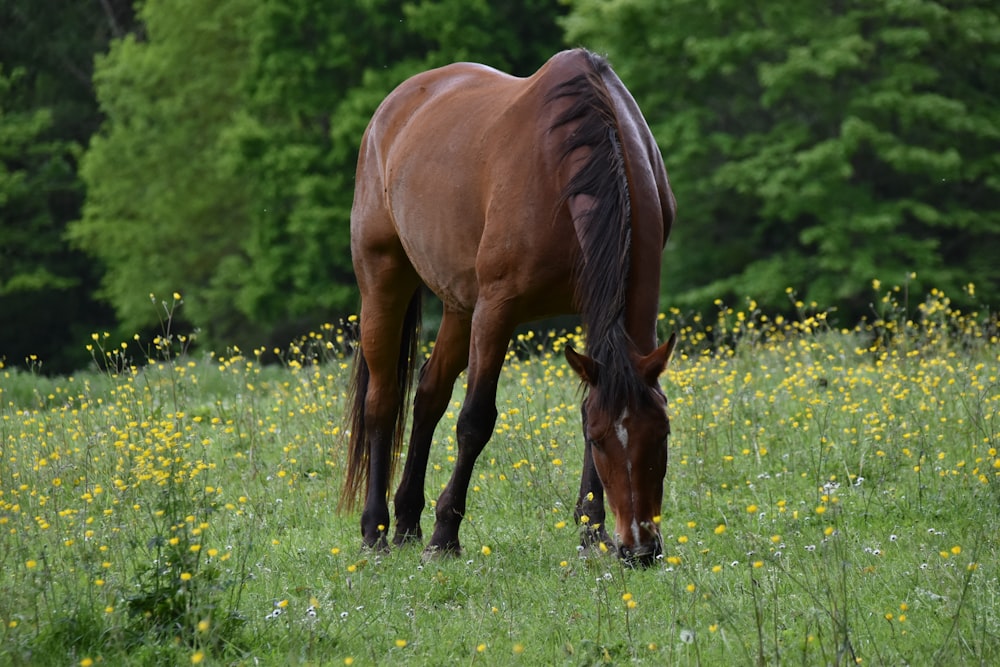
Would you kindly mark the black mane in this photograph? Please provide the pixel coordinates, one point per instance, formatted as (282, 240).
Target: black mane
(605, 232)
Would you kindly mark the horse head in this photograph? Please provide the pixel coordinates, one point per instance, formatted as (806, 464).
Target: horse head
(629, 449)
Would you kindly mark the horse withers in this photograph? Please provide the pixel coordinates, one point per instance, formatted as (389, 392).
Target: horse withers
(511, 199)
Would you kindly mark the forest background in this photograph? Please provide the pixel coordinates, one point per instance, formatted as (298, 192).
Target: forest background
(207, 147)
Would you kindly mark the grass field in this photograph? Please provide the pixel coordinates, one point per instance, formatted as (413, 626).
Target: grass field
(833, 497)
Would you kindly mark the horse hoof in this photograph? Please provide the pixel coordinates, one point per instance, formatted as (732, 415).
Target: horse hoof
(595, 538)
(380, 545)
(407, 538)
(642, 556)
(433, 552)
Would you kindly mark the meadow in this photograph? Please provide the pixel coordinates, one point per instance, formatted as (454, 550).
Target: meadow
(832, 497)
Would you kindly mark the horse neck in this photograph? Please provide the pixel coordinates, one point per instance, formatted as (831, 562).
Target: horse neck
(647, 224)
(642, 298)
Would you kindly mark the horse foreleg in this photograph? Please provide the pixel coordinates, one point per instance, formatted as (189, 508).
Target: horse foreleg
(475, 425)
(589, 513)
(450, 356)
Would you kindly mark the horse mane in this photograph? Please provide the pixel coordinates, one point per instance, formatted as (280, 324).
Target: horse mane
(605, 231)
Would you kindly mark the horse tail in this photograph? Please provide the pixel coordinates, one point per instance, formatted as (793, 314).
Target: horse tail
(358, 453)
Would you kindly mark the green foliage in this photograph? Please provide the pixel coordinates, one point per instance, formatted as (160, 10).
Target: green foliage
(515, 37)
(297, 136)
(810, 145)
(318, 73)
(225, 167)
(817, 145)
(47, 112)
(163, 209)
(30, 160)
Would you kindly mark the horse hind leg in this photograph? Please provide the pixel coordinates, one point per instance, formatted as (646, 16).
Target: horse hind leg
(437, 378)
(384, 313)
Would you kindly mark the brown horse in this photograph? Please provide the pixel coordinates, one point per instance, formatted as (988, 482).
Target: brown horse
(511, 199)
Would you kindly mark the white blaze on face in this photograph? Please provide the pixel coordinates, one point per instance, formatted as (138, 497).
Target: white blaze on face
(622, 434)
(620, 429)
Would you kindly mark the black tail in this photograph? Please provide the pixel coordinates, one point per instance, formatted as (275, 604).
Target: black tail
(356, 480)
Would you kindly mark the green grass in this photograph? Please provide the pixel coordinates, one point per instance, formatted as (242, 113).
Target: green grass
(831, 498)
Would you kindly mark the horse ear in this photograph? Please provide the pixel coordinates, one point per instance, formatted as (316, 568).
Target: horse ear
(653, 364)
(584, 366)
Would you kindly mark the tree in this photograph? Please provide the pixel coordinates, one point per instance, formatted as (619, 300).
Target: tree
(318, 73)
(225, 167)
(47, 111)
(297, 139)
(817, 145)
(164, 210)
(514, 37)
